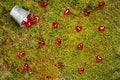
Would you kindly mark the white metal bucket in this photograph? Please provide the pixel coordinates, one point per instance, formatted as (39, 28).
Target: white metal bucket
(19, 14)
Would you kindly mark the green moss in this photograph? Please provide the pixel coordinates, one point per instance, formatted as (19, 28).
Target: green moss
(1, 36)
(42, 62)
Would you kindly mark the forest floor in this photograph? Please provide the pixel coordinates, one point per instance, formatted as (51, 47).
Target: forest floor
(42, 61)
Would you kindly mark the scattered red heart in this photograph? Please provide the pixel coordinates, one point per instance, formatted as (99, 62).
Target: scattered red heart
(81, 70)
(26, 68)
(55, 25)
(58, 42)
(98, 58)
(41, 44)
(21, 54)
(59, 64)
(67, 12)
(87, 13)
(78, 28)
(102, 4)
(44, 4)
(35, 20)
(80, 46)
(101, 28)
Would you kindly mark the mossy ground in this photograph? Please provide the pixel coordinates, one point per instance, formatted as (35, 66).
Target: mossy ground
(13, 39)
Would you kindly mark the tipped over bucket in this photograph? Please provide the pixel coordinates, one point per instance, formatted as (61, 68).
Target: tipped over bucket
(19, 14)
